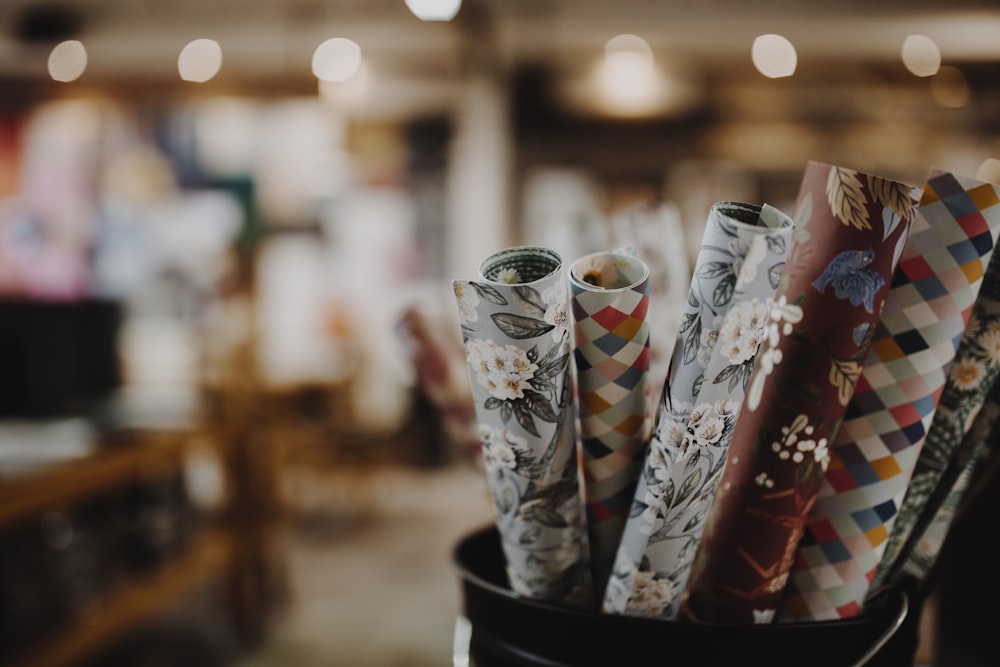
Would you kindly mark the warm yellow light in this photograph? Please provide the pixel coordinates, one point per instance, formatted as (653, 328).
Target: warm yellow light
(950, 88)
(921, 55)
(627, 77)
(773, 56)
(67, 61)
(200, 60)
(629, 44)
(434, 10)
(336, 59)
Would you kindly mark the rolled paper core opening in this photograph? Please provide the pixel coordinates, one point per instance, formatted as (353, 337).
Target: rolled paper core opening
(739, 211)
(608, 272)
(520, 265)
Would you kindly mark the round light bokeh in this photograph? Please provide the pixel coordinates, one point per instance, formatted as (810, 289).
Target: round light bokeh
(921, 55)
(774, 56)
(631, 44)
(336, 59)
(200, 60)
(67, 61)
(950, 88)
(434, 10)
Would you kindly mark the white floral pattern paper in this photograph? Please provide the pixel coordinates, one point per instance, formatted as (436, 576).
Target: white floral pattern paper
(726, 318)
(515, 329)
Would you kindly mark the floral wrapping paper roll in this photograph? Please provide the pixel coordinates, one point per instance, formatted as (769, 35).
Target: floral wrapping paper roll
(961, 484)
(740, 261)
(850, 232)
(515, 329)
(932, 295)
(610, 301)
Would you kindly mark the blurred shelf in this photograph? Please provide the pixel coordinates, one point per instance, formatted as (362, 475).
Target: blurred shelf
(28, 494)
(210, 557)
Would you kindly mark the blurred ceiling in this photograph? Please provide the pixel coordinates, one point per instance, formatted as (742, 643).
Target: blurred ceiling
(849, 66)
(275, 38)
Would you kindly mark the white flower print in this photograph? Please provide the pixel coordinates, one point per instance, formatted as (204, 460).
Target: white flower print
(650, 595)
(797, 441)
(504, 371)
(784, 314)
(763, 616)
(705, 426)
(556, 312)
(501, 448)
(765, 481)
(743, 331)
(468, 300)
(509, 277)
(709, 338)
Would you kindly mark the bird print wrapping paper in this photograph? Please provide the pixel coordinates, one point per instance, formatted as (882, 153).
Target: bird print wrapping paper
(850, 232)
(933, 291)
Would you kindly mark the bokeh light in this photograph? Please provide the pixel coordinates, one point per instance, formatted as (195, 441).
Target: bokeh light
(921, 55)
(336, 59)
(67, 61)
(434, 10)
(950, 88)
(200, 60)
(774, 56)
(627, 76)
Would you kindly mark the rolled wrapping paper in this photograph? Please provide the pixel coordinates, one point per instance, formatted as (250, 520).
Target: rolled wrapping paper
(850, 232)
(961, 484)
(932, 294)
(972, 376)
(736, 273)
(610, 301)
(515, 330)
(656, 236)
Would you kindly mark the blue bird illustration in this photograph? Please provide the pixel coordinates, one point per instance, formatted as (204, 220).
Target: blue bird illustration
(851, 278)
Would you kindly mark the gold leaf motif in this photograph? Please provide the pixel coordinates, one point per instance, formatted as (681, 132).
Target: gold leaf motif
(892, 195)
(844, 376)
(847, 198)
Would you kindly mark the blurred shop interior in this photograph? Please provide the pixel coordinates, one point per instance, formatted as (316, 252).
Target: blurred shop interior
(235, 422)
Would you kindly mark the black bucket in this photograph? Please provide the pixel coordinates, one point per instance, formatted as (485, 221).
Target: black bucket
(508, 631)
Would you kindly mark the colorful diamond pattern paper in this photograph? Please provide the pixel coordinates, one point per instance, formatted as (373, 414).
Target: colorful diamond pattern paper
(611, 349)
(933, 290)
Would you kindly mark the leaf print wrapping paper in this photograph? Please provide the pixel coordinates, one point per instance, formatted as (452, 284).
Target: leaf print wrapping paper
(972, 375)
(610, 301)
(961, 484)
(737, 271)
(850, 232)
(516, 336)
(932, 294)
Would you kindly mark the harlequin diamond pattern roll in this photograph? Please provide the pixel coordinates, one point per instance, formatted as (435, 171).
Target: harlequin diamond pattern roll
(928, 306)
(974, 372)
(610, 300)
